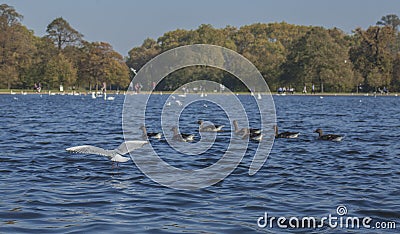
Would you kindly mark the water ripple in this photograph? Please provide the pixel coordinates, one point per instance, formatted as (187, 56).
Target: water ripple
(45, 190)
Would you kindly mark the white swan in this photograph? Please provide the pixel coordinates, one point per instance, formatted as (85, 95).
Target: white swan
(115, 155)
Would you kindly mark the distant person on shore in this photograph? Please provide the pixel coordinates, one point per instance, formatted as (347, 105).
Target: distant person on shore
(37, 87)
(313, 89)
(138, 87)
(104, 88)
(305, 89)
(385, 90)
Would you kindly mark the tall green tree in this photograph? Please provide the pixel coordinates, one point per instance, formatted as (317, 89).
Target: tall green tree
(390, 20)
(396, 72)
(16, 48)
(264, 50)
(9, 16)
(103, 64)
(62, 33)
(372, 55)
(59, 71)
(139, 56)
(174, 39)
(317, 58)
(45, 51)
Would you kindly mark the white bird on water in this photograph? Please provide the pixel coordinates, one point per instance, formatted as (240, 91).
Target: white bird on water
(179, 103)
(115, 155)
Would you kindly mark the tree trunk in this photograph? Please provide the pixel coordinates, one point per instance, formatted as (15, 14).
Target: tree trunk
(322, 86)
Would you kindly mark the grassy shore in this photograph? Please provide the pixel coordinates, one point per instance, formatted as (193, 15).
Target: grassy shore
(25, 91)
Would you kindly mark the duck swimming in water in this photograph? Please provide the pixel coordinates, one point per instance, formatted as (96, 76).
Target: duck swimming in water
(244, 130)
(252, 135)
(285, 134)
(328, 137)
(209, 128)
(181, 137)
(154, 135)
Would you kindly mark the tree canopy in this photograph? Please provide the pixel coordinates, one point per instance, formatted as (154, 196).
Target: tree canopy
(62, 34)
(291, 55)
(286, 55)
(61, 57)
(391, 20)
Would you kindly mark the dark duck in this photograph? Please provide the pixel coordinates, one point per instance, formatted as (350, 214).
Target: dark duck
(154, 135)
(252, 135)
(242, 131)
(328, 137)
(181, 136)
(285, 134)
(209, 128)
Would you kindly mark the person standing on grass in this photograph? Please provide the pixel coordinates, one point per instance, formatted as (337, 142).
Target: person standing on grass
(313, 89)
(305, 89)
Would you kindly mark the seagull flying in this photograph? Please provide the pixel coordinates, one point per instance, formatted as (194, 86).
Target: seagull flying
(133, 70)
(115, 155)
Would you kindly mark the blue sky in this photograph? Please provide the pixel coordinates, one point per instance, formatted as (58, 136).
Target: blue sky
(125, 24)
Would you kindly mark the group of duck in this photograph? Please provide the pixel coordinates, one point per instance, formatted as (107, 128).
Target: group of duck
(245, 133)
(116, 155)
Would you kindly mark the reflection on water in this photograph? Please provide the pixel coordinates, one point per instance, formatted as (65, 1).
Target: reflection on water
(45, 189)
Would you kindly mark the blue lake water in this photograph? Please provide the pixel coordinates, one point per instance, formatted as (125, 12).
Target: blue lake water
(45, 189)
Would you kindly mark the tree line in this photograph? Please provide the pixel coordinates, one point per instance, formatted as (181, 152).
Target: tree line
(292, 56)
(287, 55)
(61, 57)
